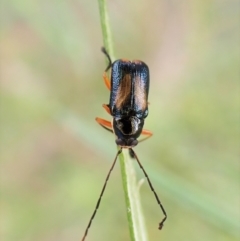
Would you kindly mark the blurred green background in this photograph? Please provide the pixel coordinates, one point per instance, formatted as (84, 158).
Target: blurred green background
(55, 157)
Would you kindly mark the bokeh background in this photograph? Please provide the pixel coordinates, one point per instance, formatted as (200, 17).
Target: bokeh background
(55, 157)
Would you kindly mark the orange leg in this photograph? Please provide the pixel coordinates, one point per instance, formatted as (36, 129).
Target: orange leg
(107, 81)
(105, 124)
(106, 108)
(146, 133)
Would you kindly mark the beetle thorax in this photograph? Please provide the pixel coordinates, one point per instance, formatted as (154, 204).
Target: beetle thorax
(127, 130)
(128, 126)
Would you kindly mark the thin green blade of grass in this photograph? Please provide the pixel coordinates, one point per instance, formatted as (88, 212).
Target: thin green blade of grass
(134, 214)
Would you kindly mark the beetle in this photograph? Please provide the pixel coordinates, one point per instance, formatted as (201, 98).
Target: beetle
(128, 106)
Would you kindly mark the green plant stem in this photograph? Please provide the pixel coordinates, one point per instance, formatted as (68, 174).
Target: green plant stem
(106, 31)
(131, 191)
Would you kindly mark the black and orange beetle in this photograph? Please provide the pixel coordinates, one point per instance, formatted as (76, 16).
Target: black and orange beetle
(128, 106)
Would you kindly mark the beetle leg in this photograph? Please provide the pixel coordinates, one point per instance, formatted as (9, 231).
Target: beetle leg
(106, 107)
(107, 81)
(107, 125)
(146, 133)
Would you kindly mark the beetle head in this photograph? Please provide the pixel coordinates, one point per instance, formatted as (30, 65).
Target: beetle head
(127, 130)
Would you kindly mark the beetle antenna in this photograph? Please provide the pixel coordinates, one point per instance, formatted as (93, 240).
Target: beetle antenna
(109, 59)
(150, 184)
(100, 197)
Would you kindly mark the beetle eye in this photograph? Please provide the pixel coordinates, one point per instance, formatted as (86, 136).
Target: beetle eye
(120, 142)
(132, 142)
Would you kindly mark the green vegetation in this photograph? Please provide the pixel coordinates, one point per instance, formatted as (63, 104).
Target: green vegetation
(54, 157)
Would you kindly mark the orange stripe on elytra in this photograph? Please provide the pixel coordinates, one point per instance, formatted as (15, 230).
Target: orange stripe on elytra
(140, 94)
(124, 91)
